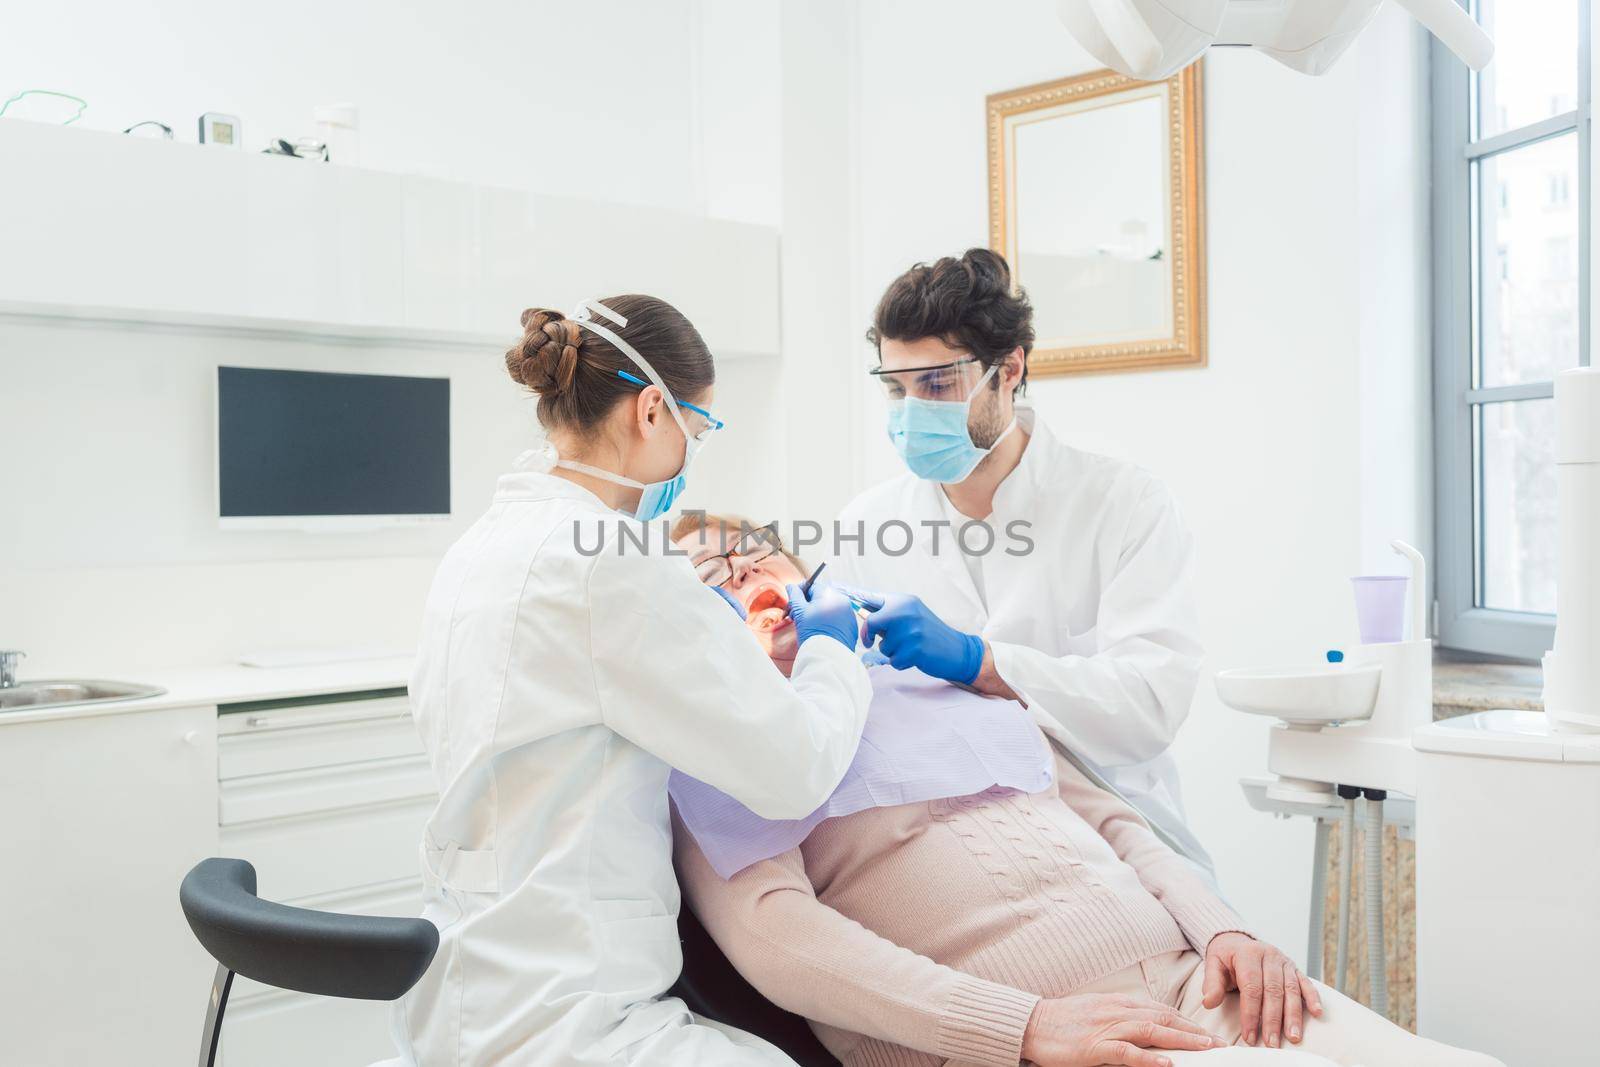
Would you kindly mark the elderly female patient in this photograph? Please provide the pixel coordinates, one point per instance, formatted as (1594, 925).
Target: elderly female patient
(971, 896)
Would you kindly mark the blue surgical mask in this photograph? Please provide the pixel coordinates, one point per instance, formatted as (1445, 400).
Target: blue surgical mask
(931, 435)
(655, 498)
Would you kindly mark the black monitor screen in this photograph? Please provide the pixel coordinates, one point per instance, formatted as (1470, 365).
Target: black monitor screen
(293, 443)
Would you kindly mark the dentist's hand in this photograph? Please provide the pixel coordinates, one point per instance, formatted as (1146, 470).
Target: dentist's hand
(911, 635)
(1091, 1029)
(1273, 994)
(827, 611)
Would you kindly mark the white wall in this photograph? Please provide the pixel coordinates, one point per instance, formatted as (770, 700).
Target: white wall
(1284, 468)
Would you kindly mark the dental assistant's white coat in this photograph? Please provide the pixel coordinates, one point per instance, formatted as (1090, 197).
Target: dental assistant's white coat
(1094, 627)
(554, 690)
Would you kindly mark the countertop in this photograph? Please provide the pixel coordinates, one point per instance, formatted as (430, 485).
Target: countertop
(232, 683)
(1461, 686)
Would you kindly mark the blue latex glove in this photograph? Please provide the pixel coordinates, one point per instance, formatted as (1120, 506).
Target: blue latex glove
(738, 608)
(911, 635)
(873, 658)
(826, 611)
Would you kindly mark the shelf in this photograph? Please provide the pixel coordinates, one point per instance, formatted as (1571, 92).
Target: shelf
(135, 233)
(213, 323)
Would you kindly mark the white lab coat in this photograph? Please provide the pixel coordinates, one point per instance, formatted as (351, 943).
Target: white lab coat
(1094, 627)
(554, 690)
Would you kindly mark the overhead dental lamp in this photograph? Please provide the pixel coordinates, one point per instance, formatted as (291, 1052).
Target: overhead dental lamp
(1152, 39)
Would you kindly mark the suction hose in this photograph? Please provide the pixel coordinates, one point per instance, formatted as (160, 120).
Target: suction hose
(1347, 862)
(1377, 964)
(1319, 893)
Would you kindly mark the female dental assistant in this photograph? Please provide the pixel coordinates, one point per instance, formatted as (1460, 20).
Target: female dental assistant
(563, 670)
(1080, 603)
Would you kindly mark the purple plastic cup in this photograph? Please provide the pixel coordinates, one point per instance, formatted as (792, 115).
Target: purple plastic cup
(1381, 607)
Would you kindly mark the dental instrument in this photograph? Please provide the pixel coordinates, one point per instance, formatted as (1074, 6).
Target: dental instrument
(1152, 39)
(856, 599)
(806, 589)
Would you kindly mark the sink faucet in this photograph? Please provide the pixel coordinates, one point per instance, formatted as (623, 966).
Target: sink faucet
(8, 668)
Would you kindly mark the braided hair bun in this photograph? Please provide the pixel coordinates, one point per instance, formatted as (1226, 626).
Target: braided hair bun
(546, 358)
(580, 377)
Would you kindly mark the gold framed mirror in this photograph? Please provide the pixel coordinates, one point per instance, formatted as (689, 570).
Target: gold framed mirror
(1096, 199)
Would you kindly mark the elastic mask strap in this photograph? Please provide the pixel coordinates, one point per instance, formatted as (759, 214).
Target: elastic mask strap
(600, 472)
(1012, 425)
(983, 381)
(580, 315)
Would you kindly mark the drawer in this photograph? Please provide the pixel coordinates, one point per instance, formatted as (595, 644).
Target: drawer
(395, 898)
(306, 855)
(320, 735)
(277, 796)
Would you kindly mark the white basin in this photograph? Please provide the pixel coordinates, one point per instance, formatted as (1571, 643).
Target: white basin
(1314, 695)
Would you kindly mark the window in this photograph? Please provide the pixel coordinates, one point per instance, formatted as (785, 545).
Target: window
(1511, 309)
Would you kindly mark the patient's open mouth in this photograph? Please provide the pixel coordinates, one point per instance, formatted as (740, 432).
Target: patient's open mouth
(768, 609)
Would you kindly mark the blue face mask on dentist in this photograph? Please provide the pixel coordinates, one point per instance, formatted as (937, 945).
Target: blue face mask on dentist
(932, 437)
(655, 498)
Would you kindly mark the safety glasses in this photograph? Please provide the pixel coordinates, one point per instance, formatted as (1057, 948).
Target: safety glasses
(938, 381)
(713, 423)
(753, 546)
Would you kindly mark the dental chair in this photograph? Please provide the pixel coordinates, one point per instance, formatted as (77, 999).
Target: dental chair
(356, 957)
(363, 957)
(710, 986)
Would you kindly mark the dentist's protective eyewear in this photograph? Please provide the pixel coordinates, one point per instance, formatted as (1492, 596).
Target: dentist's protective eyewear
(713, 423)
(938, 381)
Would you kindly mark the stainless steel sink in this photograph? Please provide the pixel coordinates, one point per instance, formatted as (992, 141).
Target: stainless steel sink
(56, 692)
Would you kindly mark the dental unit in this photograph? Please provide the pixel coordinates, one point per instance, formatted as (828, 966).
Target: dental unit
(1345, 733)
(1503, 800)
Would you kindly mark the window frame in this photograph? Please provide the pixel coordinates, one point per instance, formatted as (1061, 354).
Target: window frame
(1459, 622)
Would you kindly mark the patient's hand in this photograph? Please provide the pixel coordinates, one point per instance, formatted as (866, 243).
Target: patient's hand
(1273, 994)
(1090, 1029)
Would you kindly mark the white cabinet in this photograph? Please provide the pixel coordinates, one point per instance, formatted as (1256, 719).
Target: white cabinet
(100, 817)
(125, 228)
(327, 801)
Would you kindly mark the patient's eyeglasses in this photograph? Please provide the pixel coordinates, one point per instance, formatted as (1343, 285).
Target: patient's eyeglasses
(753, 546)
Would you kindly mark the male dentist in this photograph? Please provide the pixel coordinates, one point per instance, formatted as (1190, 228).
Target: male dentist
(1005, 560)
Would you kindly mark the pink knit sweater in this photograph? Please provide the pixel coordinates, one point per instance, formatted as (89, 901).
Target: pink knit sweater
(937, 927)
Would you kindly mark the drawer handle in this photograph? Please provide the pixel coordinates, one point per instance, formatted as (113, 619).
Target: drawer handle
(266, 722)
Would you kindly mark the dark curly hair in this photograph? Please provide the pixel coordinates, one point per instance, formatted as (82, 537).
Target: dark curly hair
(968, 303)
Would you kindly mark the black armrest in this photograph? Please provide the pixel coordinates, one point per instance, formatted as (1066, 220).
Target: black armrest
(360, 957)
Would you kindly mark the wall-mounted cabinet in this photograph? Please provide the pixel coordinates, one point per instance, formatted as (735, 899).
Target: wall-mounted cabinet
(109, 226)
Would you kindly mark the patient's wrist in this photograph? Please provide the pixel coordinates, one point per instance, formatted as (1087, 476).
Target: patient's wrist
(976, 654)
(1030, 1033)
